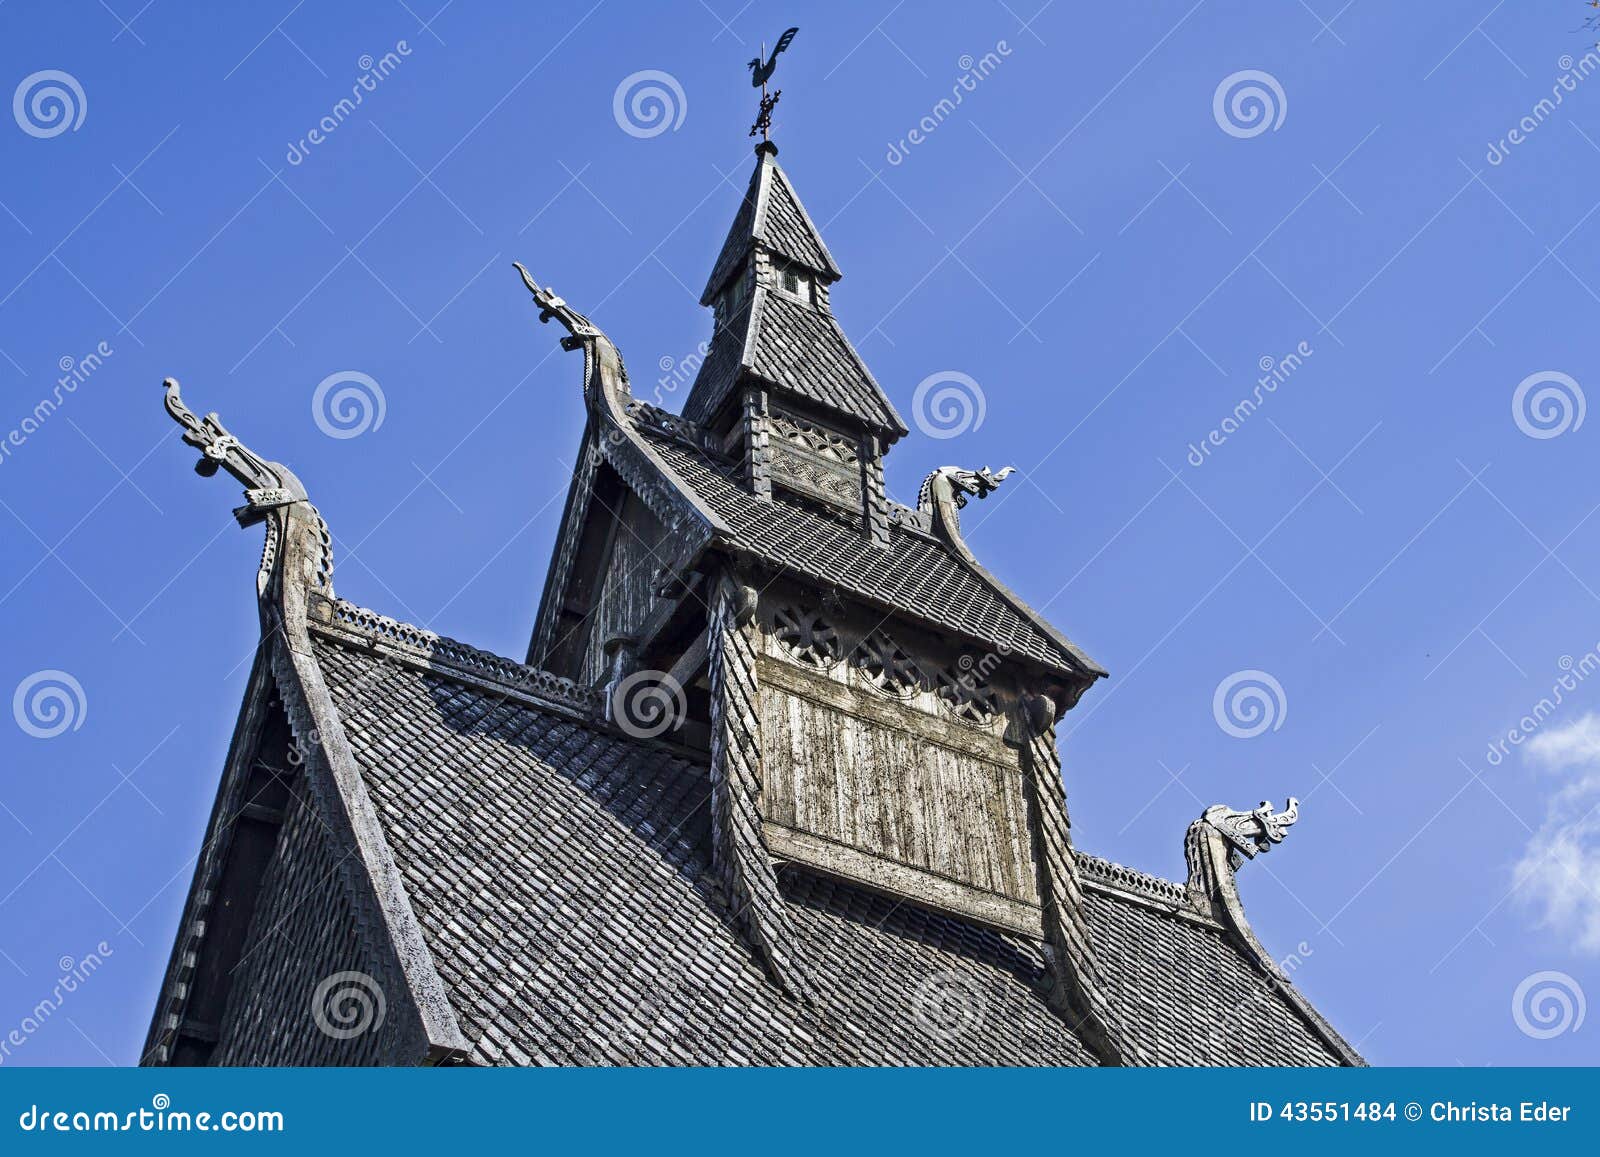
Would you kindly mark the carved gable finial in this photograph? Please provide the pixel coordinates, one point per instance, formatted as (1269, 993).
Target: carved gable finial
(271, 489)
(551, 305)
(1252, 832)
(267, 484)
(962, 483)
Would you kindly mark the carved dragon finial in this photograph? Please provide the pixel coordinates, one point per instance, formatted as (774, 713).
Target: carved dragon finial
(977, 483)
(1252, 832)
(579, 328)
(268, 485)
(270, 489)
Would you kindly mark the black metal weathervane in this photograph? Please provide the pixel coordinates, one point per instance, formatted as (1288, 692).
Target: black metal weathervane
(760, 73)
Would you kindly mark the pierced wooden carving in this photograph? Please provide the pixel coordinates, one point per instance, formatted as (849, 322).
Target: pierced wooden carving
(964, 689)
(807, 636)
(886, 666)
(829, 481)
(815, 438)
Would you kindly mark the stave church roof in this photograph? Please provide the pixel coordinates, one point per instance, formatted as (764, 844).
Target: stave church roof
(493, 868)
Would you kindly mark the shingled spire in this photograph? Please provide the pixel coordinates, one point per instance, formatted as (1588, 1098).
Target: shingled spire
(781, 382)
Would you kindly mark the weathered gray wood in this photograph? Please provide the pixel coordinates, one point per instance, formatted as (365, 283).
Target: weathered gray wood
(910, 884)
(923, 792)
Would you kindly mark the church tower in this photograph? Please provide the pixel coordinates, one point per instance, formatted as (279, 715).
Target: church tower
(781, 383)
(873, 703)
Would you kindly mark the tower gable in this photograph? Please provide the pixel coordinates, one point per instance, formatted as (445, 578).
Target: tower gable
(773, 321)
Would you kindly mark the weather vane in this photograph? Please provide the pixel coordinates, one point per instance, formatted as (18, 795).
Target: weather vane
(760, 73)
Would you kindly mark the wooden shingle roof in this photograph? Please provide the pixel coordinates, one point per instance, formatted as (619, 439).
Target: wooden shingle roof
(560, 875)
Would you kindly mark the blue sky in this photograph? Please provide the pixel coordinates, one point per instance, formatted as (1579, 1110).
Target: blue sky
(1085, 236)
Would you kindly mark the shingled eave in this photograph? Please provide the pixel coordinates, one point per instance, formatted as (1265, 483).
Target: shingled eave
(1213, 890)
(946, 523)
(889, 422)
(610, 436)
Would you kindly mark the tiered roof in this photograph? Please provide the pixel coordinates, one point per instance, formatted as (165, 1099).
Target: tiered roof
(526, 881)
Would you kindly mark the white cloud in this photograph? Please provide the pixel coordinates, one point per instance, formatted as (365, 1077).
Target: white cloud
(1559, 872)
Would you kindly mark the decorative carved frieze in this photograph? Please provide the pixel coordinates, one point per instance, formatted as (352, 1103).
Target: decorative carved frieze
(345, 617)
(815, 438)
(886, 666)
(964, 688)
(815, 459)
(807, 636)
(818, 478)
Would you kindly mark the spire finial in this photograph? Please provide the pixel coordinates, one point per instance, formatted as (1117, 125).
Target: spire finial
(761, 72)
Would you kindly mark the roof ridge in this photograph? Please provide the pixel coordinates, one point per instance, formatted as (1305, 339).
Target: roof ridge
(1121, 878)
(350, 623)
